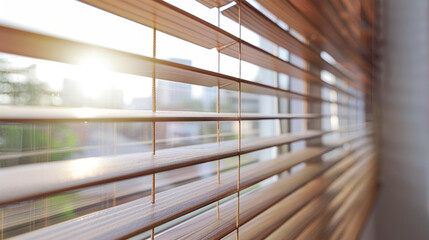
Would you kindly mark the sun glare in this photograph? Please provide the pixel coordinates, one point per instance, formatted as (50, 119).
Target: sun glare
(94, 76)
(84, 167)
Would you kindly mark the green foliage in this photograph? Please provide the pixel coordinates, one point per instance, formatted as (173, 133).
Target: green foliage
(65, 201)
(20, 86)
(26, 137)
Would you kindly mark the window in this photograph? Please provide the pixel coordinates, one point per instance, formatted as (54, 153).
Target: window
(169, 119)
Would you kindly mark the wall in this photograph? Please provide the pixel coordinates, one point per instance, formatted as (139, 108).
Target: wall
(402, 206)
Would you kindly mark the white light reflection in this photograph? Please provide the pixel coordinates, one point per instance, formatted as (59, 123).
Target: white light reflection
(327, 57)
(84, 168)
(85, 112)
(93, 72)
(334, 110)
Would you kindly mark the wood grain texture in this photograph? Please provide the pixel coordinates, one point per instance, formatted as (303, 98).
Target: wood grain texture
(254, 20)
(296, 224)
(266, 222)
(322, 226)
(137, 216)
(320, 21)
(48, 178)
(56, 49)
(257, 56)
(214, 3)
(358, 222)
(286, 12)
(204, 227)
(60, 114)
(328, 198)
(176, 22)
(315, 12)
(356, 197)
(356, 131)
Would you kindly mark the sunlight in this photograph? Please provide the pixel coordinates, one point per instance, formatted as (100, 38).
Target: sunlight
(84, 168)
(327, 57)
(85, 112)
(94, 76)
(335, 123)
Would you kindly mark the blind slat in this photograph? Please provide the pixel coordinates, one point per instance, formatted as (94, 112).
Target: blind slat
(124, 192)
(262, 225)
(41, 152)
(66, 51)
(138, 216)
(286, 12)
(317, 173)
(265, 224)
(204, 227)
(354, 198)
(313, 14)
(358, 222)
(176, 22)
(59, 114)
(257, 22)
(315, 229)
(214, 3)
(48, 178)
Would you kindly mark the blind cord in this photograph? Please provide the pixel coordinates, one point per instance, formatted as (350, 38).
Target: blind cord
(237, 223)
(152, 232)
(218, 111)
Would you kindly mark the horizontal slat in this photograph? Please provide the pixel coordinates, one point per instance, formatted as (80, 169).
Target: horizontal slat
(299, 220)
(59, 114)
(262, 225)
(315, 229)
(315, 13)
(259, 23)
(179, 23)
(359, 220)
(66, 51)
(136, 216)
(257, 56)
(167, 18)
(48, 178)
(357, 196)
(337, 212)
(205, 226)
(290, 15)
(214, 3)
(56, 49)
(140, 215)
(293, 226)
(312, 12)
(44, 152)
(15, 215)
(344, 28)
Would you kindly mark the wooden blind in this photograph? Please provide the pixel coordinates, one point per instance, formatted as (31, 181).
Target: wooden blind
(313, 178)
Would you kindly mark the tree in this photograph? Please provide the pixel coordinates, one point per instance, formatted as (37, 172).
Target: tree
(20, 86)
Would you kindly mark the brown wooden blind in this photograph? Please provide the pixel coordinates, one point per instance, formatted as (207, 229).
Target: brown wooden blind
(313, 178)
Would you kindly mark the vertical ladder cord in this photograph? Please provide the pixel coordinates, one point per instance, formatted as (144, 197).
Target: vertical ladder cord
(115, 133)
(237, 223)
(289, 108)
(152, 233)
(218, 111)
(48, 159)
